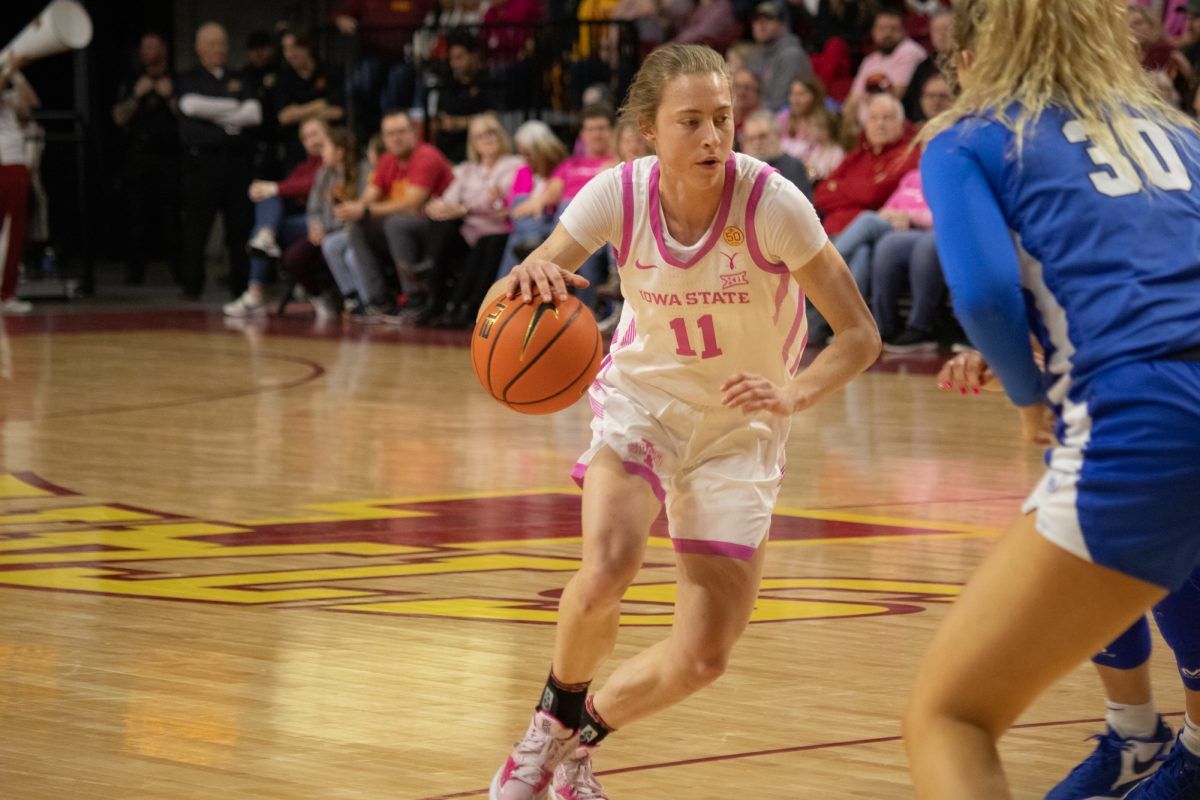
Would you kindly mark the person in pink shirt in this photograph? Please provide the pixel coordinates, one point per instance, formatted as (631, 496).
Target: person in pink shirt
(893, 63)
(470, 225)
(543, 152)
(570, 177)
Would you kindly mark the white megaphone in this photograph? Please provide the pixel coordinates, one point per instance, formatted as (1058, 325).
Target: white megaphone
(63, 25)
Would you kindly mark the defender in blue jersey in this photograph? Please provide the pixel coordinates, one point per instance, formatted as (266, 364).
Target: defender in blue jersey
(1066, 201)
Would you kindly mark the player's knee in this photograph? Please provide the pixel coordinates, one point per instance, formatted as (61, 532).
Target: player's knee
(702, 666)
(930, 712)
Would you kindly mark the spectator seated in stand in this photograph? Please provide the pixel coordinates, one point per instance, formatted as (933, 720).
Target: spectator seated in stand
(713, 23)
(274, 227)
(760, 139)
(934, 97)
(892, 64)
(869, 175)
(795, 121)
(383, 78)
(543, 152)
(747, 98)
(341, 157)
(566, 181)
(941, 36)
(470, 225)
(783, 57)
(388, 220)
(1157, 52)
(304, 260)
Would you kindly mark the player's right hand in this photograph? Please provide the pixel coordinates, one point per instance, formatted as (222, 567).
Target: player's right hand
(546, 278)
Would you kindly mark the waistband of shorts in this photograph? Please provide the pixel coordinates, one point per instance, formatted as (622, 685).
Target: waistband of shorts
(1190, 354)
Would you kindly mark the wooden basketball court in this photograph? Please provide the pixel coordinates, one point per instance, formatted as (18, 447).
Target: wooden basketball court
(275, 561)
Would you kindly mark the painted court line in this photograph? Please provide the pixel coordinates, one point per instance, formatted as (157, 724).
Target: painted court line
(779, 751)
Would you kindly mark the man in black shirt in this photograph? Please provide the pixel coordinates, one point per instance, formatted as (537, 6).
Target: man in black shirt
(145, 113)
(307, 88)
(216, 108)
(460, 96)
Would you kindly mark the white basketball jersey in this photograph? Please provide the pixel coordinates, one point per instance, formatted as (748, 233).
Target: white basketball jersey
(689, 324)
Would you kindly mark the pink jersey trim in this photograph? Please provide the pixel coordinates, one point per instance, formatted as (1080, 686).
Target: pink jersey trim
(756, 253)
(633, 468)
(796, 323)
(799, 356)
(626, 213)
(703, 547)
(785, 283)
(718, 224)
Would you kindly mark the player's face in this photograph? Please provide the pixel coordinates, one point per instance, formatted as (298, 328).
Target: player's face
(693, 130)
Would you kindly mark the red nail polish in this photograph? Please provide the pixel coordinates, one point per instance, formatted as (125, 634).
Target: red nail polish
(963, 390)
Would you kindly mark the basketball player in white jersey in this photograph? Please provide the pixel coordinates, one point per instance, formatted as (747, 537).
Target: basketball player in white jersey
(716, 254)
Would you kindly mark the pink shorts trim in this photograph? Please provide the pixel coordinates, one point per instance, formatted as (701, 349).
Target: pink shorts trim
(703, 547)
(633, 468)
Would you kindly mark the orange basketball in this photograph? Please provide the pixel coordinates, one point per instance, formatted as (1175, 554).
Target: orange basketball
(536, 358)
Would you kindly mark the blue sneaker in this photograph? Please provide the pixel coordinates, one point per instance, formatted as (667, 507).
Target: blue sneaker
(1177, 779)
(1114, 767)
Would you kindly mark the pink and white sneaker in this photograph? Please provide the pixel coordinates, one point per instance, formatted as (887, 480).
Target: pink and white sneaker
(573, 780)
(527, 773)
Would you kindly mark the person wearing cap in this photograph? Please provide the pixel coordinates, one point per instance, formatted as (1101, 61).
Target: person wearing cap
(783, 57)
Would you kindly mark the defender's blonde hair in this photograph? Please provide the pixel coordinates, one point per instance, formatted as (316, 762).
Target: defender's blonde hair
(667, 62)
(1078, 55)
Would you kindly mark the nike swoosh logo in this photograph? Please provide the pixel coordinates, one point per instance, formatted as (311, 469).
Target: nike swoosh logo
(538, 313)
(1141, 766)
(640, 265)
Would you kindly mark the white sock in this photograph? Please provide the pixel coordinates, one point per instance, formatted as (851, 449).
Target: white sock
(1190, 735)
(1132, 721)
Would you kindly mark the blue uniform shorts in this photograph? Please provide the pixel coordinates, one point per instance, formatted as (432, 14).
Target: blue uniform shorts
(1123, 487)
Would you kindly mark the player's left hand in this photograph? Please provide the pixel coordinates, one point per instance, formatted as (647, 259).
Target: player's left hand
(752, 393)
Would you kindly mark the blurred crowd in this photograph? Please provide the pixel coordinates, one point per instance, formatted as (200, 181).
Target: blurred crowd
(395, 182)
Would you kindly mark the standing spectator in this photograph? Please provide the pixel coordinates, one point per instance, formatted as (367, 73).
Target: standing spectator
(388, 217)
(508, 29)
(747, 97)
(385, 77)
(17, 101)
(892, 64)
(470, 224)
(760, 138)
(460, 96)
(145, 113)
(216, 108)
(712, 23)
(784, 59)
(307, 88)
(261, 76)
(871, 173)
(279, 218)
(941, 36)
(570, 177)
(543, 152)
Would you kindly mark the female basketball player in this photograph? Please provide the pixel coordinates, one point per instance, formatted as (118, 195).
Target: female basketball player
(1059, 141)
(716, 254)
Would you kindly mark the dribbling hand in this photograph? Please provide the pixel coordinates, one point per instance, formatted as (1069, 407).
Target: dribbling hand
(549, 280)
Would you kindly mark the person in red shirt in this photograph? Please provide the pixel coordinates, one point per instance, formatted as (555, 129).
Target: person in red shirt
(279, 218)
(865, 180)
(389, 217)
(868, 176)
